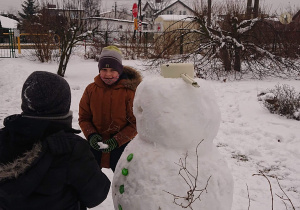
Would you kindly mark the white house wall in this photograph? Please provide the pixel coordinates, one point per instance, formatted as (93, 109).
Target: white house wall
(109, 25)
(177, 9)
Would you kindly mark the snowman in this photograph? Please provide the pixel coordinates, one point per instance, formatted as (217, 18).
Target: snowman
(172, 163)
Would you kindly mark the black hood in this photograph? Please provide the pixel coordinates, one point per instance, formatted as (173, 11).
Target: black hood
(21, 133)
(23, 141)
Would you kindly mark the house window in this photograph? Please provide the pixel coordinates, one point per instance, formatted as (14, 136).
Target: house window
(180, 13)
(120, 26)
(184, 12)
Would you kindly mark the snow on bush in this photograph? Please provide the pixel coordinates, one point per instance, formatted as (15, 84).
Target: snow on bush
(282, 100)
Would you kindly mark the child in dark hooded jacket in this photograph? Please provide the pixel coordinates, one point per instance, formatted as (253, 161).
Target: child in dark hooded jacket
(43, 163)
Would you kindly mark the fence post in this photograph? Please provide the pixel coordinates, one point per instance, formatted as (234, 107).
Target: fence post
(19, 45)
(11, 43)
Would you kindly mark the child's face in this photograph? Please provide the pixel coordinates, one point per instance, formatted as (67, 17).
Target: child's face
(109, 75)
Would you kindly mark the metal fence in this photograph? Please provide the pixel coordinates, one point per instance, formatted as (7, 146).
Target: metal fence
(7, 43)
(139, 44)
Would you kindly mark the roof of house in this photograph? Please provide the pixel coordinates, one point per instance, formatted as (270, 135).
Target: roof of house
(113, 19)
(8, 22)
(167, 7)
(147, 4)
(296, 15)
(176, 17)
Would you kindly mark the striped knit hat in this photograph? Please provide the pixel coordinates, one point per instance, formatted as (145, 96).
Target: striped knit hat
(111, 57)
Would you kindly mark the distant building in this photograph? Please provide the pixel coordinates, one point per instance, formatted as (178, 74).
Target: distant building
(116, 15)
(174, 8)
(5, 25)
(8, 22)
(71, 14)
(111, 24)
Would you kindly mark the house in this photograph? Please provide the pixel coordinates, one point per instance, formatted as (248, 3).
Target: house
(169, 25)
(111, 28)
(152, 11)
(111, 24)
(7, 24)
(170, 22)
(71, 14)
(175, 8)
(117, 15)
(296, 17)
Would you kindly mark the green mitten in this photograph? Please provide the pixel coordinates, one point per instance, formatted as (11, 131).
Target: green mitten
(93, 141)
(112, 144)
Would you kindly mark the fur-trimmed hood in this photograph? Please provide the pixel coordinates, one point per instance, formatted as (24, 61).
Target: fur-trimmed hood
(134, 78)
(14, 169)
(22, 143)
(130, 79)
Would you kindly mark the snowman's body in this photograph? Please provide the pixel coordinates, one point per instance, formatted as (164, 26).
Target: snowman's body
(172, 119)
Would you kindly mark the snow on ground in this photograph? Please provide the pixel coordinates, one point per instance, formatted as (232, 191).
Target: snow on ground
(250, 138)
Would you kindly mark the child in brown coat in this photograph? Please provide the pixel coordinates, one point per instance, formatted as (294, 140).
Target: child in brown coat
(105, 109)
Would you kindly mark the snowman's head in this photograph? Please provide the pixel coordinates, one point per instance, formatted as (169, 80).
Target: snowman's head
(172, 113)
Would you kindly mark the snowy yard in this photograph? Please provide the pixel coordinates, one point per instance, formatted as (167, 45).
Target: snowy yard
(250, 138)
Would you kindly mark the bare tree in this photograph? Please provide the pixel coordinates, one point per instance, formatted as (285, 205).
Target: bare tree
(91, 7)
(230, 40)
(70, 27)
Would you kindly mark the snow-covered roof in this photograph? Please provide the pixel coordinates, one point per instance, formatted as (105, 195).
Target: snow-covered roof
(171, 5)
(175, 17)
(112, 19)
(8, 23)
(106, 12)
(296, 15)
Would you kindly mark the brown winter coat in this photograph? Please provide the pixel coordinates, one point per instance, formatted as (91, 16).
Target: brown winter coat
(107, 110)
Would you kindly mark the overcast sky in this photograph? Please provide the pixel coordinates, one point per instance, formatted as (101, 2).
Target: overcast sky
(276, 5)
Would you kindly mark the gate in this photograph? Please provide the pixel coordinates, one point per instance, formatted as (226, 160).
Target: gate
(7, 43)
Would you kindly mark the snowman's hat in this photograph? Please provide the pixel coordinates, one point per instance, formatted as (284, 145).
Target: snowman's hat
(177, 70)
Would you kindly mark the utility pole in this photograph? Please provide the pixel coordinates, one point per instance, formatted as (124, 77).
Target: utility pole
(140, 18)
(115, 9)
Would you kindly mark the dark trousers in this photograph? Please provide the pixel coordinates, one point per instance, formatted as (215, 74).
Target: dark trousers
(114, 156)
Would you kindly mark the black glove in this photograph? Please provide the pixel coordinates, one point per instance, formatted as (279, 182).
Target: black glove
(93, 141)
(112, 144)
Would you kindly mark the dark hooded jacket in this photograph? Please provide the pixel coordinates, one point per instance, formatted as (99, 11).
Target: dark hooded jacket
(44, 165)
